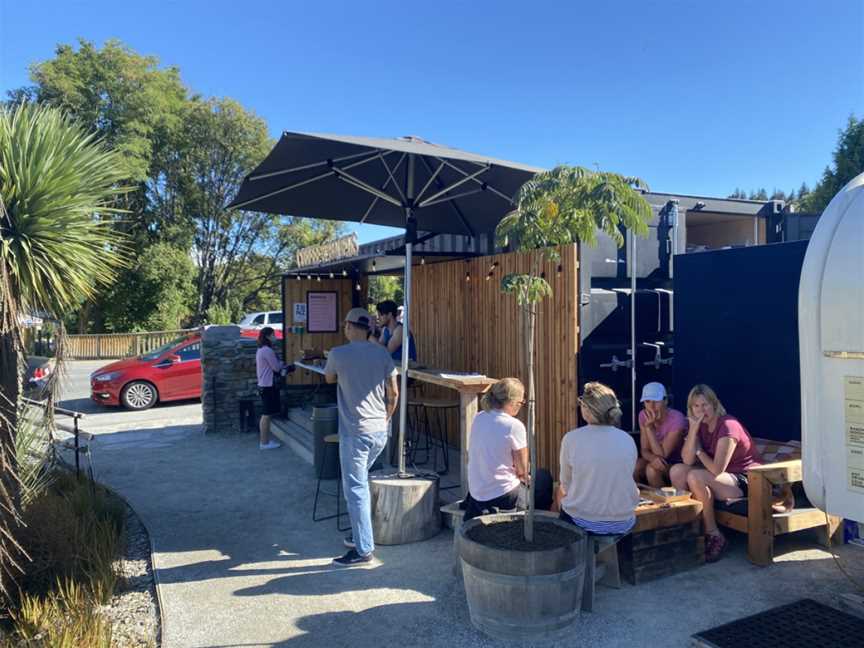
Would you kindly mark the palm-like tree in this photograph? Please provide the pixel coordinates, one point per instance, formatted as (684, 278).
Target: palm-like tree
(58, 246)
(559, 207)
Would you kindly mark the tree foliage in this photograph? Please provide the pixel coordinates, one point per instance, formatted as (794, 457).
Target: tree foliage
(383, 287)
(848, 162)
(184, 156)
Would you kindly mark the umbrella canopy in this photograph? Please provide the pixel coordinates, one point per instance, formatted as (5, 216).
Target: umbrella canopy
(365, 180)
(404, 182)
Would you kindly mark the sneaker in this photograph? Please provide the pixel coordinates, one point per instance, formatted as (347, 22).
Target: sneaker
(353, 559)
(348, 541)
(714, 546)
(270, 445)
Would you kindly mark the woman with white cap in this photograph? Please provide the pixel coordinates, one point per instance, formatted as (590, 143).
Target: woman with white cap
(662, 431)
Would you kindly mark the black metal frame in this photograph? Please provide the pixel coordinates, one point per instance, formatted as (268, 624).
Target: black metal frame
(338, 494)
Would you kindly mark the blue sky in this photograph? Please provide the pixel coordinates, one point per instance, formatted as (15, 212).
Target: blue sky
(694, 97)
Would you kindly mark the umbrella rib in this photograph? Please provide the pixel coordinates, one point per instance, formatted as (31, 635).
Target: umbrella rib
(430, 181)
(284, 189)
(488, 186)
(430, 202)
(303, 167)
(452, 203)
(390, 173)
(445, 190)
(383, 187)
(350, 179)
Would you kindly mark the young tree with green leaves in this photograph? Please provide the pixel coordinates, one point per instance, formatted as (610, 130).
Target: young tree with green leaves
(847, 162)
(58, 196)
(559, 207)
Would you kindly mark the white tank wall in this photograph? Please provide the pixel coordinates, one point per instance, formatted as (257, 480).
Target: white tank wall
(831, 337)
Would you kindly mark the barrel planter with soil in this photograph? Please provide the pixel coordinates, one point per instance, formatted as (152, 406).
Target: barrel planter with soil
(517, 590)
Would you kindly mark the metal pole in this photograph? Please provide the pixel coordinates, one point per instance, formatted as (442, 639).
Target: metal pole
(77, 451)
(632, 256)
(410, 235)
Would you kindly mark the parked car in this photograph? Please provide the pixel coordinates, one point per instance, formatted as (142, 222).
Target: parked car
(171, 372)
(39, 370)
(259, 320)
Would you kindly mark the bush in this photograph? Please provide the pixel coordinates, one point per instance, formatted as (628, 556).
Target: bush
(73, 535)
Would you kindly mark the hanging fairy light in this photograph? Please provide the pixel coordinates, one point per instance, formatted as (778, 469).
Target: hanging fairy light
(318, 278)
(560, 268)
(468, 276)
(358, 287)
(489, 276)
(422, 261)
(298, 277)
(373, 265)
(344, 273)
(331, 275)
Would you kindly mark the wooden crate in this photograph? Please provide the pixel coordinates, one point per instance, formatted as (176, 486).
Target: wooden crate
(656, 553)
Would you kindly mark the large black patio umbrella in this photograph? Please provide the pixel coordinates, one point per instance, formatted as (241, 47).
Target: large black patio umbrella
(404, 182)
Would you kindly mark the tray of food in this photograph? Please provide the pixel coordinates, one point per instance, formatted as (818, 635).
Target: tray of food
(665, 495)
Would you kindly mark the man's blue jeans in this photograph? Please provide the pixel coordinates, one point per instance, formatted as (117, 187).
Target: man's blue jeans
(356, 455)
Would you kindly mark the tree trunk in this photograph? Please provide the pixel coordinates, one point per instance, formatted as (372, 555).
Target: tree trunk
(10, 394)
(530, 315)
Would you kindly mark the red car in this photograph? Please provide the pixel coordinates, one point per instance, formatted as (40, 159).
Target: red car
(171, 372)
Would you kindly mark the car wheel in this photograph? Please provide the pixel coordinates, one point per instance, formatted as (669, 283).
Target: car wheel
(138, 395)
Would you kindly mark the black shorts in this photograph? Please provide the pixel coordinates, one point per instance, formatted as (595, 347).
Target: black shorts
(743, 482)
(270, 400)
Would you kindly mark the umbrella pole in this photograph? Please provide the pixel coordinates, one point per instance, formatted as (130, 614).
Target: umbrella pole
(403, 388)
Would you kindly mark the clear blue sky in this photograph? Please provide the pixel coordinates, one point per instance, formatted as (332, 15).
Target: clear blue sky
(695, 97)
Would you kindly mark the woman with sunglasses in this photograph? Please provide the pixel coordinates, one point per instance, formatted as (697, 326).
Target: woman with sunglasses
(596, 487)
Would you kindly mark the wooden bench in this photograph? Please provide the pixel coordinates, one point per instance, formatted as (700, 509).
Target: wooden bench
(758, 520)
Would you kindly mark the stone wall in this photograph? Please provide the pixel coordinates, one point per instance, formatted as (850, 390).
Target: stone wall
(228, 368)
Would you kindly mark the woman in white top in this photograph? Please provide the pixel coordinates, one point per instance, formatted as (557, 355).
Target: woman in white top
(498, 452)
(597, 489)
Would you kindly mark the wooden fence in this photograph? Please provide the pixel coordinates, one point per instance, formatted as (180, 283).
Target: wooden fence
(104, 346)
(463, 322)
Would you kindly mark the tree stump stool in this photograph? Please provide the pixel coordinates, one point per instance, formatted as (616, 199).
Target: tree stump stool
(404, 509)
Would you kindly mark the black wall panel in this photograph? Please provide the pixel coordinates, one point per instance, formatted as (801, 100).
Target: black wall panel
(736, 329)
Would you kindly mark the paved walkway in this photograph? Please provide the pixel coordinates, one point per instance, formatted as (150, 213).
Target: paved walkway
(240, 563)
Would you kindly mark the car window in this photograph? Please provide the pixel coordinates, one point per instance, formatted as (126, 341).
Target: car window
(276, 318)
(259, 319)
(190, 352)
(152, 355)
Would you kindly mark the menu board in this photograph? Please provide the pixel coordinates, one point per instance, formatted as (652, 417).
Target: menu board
(321, 311)
(854, 405)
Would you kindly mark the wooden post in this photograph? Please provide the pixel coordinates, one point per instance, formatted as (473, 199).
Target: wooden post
(467, 412)
(760, 521)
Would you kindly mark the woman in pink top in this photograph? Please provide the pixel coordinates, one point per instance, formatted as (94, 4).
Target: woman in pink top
(662, 432)
(717, 452)
(268, 367)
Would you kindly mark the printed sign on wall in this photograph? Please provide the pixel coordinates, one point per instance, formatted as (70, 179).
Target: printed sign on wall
(321, 311)
(300, 313)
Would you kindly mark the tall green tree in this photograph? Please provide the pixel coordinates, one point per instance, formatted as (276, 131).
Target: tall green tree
(58, 196)
(847, 162)
(559, 207)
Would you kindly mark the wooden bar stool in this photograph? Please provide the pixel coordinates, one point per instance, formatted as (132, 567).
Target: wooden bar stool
(331, 444)
(431, 419)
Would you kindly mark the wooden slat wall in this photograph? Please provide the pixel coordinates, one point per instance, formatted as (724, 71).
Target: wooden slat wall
(295, 291)
(472, 326)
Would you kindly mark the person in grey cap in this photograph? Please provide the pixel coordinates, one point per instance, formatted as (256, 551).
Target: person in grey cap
(367, 393)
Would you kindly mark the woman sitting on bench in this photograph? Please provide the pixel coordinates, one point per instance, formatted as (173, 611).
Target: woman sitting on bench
(597, 491)
(717, 452)
(498, 455)
(662, 432)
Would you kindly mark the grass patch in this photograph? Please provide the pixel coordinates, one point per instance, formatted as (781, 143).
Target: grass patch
(74, 534)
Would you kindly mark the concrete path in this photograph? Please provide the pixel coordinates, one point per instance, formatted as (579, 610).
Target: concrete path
(240, 563)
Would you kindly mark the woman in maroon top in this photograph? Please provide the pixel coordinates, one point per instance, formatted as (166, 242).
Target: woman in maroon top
(717, 452)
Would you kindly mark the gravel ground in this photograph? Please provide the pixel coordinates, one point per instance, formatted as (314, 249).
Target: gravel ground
(134, 612)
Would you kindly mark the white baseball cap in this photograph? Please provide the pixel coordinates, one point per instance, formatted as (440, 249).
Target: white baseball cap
(359, 316)
(653, 391)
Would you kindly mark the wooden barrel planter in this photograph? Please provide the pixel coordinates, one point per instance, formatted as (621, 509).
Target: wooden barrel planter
(522, 592)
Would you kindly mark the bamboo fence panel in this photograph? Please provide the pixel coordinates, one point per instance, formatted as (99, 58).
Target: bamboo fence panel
(470, 325)
(103, 346)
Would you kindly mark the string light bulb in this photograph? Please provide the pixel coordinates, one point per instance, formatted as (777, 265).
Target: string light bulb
(309, 277)
(468, 276)
(344, 272)
(373, 265)
(318, 278)
(489, 276)
(298, 277)
(358, 286)
(560, 268)
(331, 275)
(422, 261)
